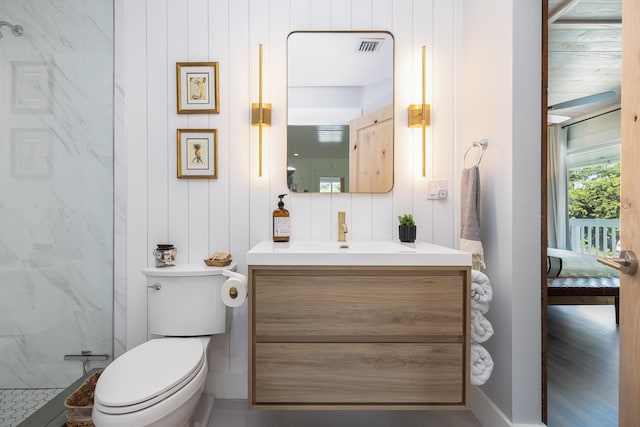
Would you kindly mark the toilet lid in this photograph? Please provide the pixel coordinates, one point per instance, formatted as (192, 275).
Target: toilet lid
(149, 373)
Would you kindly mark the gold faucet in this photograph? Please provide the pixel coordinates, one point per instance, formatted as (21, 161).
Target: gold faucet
(342, 226)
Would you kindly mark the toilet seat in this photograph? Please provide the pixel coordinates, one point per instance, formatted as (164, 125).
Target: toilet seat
(148, 374)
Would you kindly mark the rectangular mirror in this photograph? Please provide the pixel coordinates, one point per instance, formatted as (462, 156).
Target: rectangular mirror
(340, 111)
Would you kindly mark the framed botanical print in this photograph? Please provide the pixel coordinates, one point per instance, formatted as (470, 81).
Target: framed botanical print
(197, 87)
(197, 153)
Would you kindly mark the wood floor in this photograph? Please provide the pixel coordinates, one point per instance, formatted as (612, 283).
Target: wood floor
(583, 349)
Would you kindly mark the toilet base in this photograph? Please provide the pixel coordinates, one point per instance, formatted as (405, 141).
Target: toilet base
(202, 412)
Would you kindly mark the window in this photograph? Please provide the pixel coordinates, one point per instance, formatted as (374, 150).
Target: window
(330, 184)
(594, 200)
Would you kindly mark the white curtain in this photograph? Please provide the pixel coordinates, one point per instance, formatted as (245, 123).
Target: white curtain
(557, 180)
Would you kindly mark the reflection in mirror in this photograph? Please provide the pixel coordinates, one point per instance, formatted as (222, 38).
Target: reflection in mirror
(340, 112)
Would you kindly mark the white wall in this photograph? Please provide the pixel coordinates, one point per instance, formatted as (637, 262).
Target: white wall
(233, 213)
(501, 102)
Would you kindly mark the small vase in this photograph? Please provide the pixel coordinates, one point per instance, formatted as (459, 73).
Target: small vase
(407, 233)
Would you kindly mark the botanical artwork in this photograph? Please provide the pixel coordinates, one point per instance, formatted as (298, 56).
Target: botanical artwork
(198, 158)
(197, 153)
(198, 88)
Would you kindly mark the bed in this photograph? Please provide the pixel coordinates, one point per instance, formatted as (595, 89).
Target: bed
(574, 278)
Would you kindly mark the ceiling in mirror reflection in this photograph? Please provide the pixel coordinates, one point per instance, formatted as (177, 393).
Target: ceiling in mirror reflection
(334, 59)
(335, 78)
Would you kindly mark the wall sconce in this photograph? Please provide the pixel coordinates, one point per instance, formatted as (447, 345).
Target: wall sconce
(260, 115)
(420, 114)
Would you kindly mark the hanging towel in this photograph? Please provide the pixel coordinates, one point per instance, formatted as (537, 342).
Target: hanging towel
(481, 364)
(481, 289)
(470, 216)
(481, 328)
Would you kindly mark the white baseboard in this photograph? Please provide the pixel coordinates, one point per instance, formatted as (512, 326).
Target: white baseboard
(226, 385)
(489, 414)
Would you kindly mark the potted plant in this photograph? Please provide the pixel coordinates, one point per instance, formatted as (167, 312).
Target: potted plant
(407, 228)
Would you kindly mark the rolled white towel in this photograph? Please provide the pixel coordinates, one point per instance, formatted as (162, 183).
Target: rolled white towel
(479, 306)
(481, 328)
(481, 289)
(481, 364)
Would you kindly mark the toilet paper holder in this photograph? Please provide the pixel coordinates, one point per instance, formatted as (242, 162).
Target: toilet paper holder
(234, 291)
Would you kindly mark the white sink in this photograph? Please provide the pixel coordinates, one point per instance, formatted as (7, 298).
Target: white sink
(362, 252)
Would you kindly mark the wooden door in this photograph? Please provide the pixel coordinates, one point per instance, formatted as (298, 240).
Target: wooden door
(371, 152)
(629, 398)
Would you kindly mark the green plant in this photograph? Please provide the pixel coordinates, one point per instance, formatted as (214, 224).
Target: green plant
(406, 219)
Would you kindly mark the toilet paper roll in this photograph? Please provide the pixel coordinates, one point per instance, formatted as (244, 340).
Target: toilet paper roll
(234, 292)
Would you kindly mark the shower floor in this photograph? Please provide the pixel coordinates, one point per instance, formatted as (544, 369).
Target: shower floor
(18, 404)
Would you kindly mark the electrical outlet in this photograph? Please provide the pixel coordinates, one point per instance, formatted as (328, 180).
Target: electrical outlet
(437, 190)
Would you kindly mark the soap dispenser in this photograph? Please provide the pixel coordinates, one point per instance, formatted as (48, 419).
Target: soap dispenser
(281, 222)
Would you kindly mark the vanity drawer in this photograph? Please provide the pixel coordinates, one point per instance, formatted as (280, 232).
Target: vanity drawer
(365, 306)
(359, 374)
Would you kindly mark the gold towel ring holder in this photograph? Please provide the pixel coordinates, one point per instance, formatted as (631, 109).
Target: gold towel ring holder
(482, 145)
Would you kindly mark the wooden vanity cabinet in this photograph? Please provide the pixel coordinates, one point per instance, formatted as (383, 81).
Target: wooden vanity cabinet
(358, 337)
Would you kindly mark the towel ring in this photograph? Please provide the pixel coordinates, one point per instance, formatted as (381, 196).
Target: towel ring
(482, 145)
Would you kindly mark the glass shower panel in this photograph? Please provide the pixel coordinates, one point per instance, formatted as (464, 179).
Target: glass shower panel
(56, 189)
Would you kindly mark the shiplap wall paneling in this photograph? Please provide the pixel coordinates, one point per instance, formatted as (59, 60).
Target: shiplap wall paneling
(404, 147)
(233, 212)
(361, 12)
(340, 15)
(320, 12)
(177, 189)
(219, 195)
(300, 14)
(135, 87)
(239, 101)
(423, 35)
(198, 189)
(239, 110)
(158, 143)
(442, 153)
(260, 185)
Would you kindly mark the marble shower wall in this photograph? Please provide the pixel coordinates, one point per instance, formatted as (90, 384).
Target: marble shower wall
(56, 189)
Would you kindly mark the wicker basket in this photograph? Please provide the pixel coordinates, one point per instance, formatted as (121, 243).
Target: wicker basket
(79, 404)
(218, 259)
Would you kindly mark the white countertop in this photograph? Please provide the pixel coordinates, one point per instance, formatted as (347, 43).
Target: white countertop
(363, 252)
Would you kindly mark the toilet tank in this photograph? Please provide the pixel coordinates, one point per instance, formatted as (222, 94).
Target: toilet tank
(185, 300)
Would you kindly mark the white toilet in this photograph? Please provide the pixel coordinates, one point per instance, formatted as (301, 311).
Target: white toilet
(159, 382)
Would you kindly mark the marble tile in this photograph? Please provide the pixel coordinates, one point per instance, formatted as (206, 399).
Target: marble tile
(56, 199)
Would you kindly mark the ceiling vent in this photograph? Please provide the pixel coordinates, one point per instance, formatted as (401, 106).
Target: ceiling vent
(369, 45)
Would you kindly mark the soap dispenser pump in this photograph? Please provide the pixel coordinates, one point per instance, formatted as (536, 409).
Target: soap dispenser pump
(281, 222)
